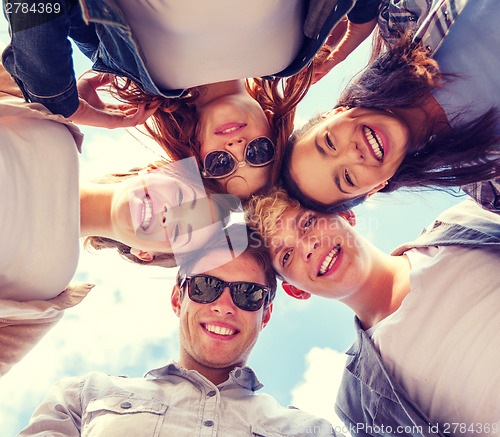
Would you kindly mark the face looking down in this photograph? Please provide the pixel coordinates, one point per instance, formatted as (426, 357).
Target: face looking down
(219, 334)
(229, 124)
(350, 153)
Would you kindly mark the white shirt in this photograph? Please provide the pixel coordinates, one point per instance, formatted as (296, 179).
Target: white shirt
(40, 208)
(443, 343)
(193, 42)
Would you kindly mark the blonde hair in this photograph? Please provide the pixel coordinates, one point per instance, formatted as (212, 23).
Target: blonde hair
(263, 212)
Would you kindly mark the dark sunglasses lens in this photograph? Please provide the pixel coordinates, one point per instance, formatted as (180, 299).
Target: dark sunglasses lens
(260, 151)
(204, 289)
(219, 163)
(248, 297)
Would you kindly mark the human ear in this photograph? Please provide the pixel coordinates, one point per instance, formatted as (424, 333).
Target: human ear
(349, 216)
(269, 115)
(267, 316)
(334, 111)
(142, 255)
(377, 188)
(175, 300)
(295, 292)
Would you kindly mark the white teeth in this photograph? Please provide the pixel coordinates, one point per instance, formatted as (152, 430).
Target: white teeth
(375, 142)
(231, 129)
(219, 330)
(329, 260)
(147, 212)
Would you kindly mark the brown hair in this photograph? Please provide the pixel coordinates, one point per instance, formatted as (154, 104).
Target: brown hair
(402, 77)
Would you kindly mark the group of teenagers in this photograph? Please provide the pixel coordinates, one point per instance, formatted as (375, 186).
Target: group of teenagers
(423, 114)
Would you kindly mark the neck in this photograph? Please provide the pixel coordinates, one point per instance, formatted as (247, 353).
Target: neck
(95, 209)
(388, 286)
(215, 375)
(213, 91)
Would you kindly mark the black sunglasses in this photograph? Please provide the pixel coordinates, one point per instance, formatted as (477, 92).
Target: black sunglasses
(247, 296)
(221, 163)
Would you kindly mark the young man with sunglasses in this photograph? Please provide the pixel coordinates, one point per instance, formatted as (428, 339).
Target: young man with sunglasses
(208, 391)
(425, 360)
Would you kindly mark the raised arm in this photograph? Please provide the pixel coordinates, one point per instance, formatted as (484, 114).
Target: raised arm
(39, 56)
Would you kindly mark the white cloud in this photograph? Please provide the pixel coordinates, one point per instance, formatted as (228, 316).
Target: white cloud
(117, 325)
(105, 152)
(317, 392)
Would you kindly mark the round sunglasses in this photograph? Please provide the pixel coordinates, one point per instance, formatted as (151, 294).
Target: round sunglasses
(247, 296)
(221, 163)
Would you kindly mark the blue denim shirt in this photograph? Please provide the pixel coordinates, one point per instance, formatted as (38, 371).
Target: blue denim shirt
(370, 401)
(39, 56)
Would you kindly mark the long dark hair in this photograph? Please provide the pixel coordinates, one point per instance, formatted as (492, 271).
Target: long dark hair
(402, 77)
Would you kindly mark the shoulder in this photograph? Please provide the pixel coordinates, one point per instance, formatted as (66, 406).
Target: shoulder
(289, 421)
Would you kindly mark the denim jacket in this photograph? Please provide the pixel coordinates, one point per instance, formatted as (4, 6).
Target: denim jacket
(44, 71)
(370, 401)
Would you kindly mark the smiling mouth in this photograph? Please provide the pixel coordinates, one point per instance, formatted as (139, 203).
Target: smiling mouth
(220, 330)
(229, 128)
(147, 212)
(329, 260)
(375, 142)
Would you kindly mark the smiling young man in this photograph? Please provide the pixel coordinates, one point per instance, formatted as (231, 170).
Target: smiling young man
(209, 391)
(428, 327)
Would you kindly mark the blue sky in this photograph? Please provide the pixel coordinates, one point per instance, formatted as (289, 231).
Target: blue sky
(126, 325)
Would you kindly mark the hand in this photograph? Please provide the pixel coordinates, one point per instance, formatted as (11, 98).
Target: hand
(92, 111)
(350, 35)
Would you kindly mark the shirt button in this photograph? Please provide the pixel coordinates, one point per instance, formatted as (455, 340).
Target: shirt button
(125, 405)
(208, 423)
(211, 393)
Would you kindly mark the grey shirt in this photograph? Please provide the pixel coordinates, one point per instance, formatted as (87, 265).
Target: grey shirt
(170, 401)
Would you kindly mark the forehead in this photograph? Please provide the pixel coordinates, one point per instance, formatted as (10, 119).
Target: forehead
(243, 268)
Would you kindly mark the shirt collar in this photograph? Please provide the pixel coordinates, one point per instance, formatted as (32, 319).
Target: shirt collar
(243, 377)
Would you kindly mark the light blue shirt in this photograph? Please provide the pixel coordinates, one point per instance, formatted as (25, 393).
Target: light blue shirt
(170, 401)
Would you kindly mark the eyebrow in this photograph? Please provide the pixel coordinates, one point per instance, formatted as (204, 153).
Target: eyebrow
(320, 149)
(336, 179)
(195, 198)
(296, 219)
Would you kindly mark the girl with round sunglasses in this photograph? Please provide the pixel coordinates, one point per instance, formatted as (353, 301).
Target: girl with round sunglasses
(236, 129)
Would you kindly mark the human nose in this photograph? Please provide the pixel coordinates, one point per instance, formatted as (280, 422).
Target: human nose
(309, 245)
(350, 153)
(236, 146)
(224, 303)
